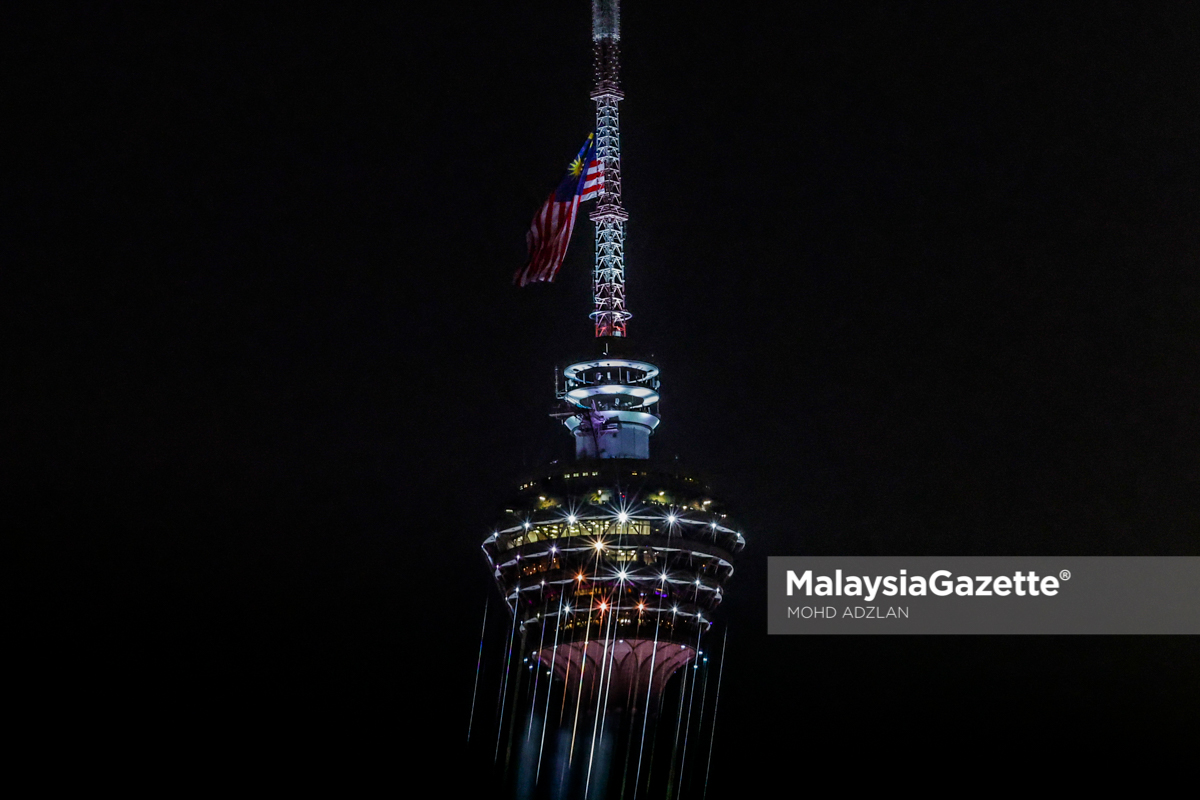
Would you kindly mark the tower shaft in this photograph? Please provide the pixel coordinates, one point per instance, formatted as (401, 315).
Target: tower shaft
(608, 275)
(612, 566)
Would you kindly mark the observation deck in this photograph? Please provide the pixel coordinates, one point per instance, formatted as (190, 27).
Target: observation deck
(615, 562)
(615, 402)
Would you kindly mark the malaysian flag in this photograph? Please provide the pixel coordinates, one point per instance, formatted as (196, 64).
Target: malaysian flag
(550, 232)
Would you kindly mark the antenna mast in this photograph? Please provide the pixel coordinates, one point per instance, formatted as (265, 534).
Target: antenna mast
(608, 275)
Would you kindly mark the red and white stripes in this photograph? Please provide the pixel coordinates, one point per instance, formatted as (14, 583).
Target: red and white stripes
(547, 239)
(593, 181)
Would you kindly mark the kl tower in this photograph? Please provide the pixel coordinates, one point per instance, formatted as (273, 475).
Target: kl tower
(611, 566)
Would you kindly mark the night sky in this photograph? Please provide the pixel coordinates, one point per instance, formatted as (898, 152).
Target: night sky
(922, 279)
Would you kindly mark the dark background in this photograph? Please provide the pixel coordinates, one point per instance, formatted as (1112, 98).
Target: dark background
(922, 280)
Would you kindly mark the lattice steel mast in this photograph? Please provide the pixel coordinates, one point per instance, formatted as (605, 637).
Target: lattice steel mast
(608, 275)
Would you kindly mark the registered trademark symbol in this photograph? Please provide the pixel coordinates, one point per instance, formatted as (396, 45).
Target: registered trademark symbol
(1065, 574)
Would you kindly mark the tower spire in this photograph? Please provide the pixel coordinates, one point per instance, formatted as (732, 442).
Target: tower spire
(608, 275)
(613, 399)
